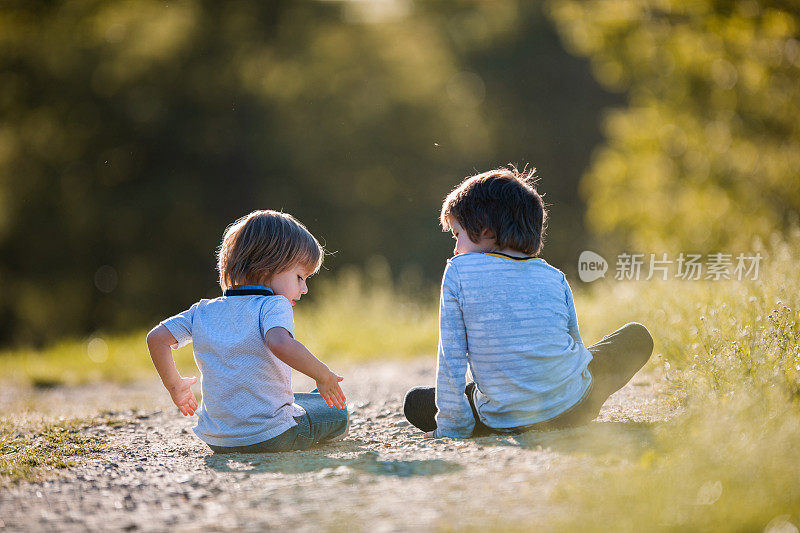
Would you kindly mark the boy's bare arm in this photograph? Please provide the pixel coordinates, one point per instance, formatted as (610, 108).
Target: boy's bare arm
(297, 356)
(159, 342)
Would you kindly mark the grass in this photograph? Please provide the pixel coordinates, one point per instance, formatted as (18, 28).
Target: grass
(730, 461)
(116, 358)
(353, 317)
(361, 317)
(30, 451)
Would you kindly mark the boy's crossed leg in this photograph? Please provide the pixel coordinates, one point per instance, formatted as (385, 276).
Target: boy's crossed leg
(615, 360)
(320, 423)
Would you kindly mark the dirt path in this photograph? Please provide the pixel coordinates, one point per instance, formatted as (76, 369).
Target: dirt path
(156, 475)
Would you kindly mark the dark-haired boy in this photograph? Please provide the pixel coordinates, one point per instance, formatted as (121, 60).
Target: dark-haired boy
(509, 318)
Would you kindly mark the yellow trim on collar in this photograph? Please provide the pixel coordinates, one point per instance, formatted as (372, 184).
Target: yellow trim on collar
(504, 256)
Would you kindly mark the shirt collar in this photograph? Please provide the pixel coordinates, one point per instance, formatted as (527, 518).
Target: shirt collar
(506, 256)
(249, 290)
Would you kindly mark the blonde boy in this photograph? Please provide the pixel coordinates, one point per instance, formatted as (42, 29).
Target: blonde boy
(244, 345)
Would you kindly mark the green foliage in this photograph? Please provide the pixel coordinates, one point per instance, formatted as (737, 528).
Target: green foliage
(133, 132)
(707, 152)
(29, 450)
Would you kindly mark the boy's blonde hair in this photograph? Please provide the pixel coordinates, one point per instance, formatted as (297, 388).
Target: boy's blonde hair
(262, 244)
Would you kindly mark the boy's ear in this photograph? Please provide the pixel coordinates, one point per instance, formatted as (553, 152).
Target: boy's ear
(487, 233)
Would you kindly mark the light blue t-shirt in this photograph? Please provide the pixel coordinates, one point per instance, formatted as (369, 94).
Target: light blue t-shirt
(512, 323)
(247, 391)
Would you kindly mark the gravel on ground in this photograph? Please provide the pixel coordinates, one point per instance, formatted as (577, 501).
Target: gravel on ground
(154, 474)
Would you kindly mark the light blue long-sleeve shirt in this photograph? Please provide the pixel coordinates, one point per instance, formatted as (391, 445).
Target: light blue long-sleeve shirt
(512, 323)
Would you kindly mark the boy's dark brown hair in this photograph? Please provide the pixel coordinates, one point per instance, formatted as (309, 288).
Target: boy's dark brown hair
(502, 201)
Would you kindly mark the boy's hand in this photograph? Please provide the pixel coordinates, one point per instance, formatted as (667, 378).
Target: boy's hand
(183, 396)
(328, 387)
(284, 347)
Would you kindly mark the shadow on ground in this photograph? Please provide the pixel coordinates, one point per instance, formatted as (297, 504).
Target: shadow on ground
(313, 461)
(598, 439)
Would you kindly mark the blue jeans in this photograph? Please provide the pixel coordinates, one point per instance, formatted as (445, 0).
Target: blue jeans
(320, 423)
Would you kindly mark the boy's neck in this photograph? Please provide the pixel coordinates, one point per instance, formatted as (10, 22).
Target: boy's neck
(489, 245)
(509, 251)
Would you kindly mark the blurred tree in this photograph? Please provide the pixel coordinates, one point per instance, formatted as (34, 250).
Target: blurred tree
(707, 153)
(132, 132)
